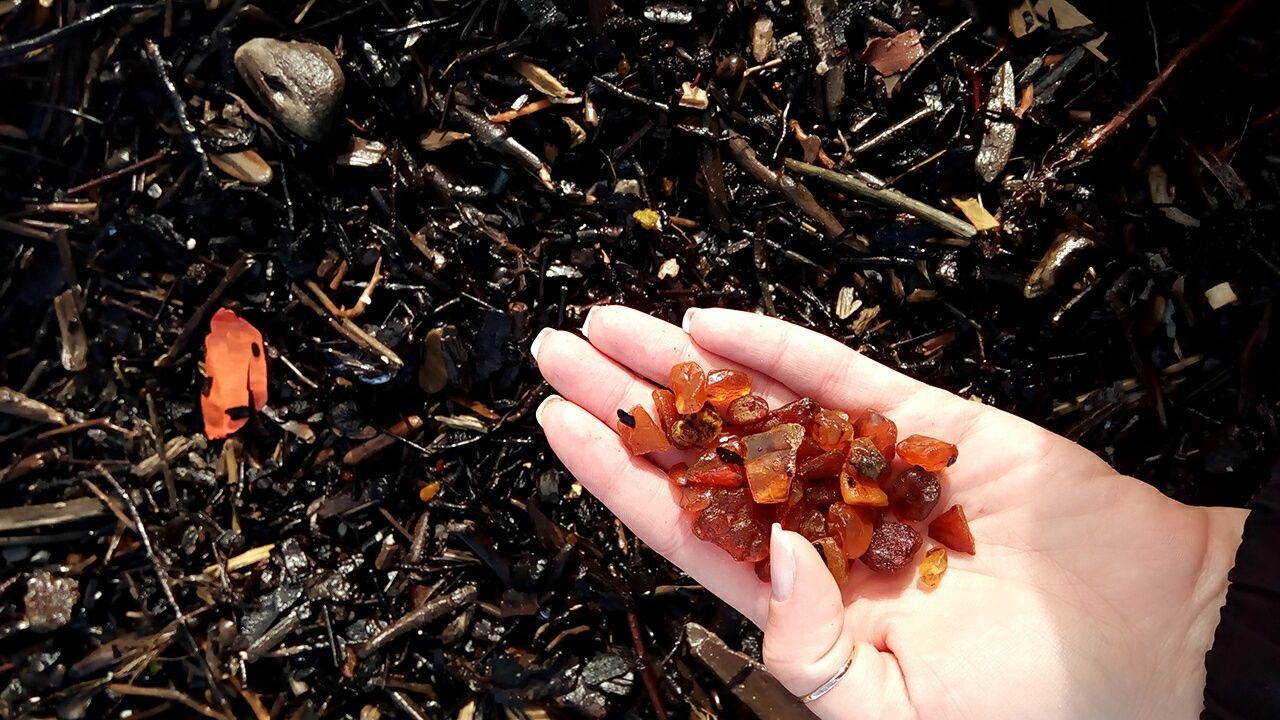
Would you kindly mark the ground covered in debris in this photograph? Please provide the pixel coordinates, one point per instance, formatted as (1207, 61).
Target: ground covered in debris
(1065, 210)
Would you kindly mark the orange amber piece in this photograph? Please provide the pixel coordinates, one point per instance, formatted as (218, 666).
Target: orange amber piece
(235, 368)
(831, 429)
(882, 432)
(640, 433)
(664, 402)
(747, 411)
(715, 471)
(696, 498)
(771, 462)
(951, 528)
(677, 474)
(696, 431)
(851, 527)
(689, 384)
(857, 490)
(933, 567)
(801, 411)
(929, 453)
(826, 465)
(833, 554)
(731, 521)
(725, 386)
(914, 493)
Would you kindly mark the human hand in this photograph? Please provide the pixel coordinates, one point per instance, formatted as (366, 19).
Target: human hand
(1091, 595)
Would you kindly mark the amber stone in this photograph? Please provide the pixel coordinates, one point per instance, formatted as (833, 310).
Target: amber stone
(882, 432)
(737, 525)
(714, 471)
(913, 494)
(747, 411)
(826, 465)
(932, 567)
(676, 474)
(696, 498)
(771, 462)
(689, 384)
(893, 544)
(951, 528)
(857, 490)
(831, 429)
(823, 492)
(696, 431)
(834, 556)
(866, 459)
(801, 516)
(640, 433)
(851, 527)
(664, 402)
(725, 386)
(801, 411)
(929, 453)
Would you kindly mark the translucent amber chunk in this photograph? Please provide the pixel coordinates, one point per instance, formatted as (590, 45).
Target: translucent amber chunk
(677, 474)
(933, 567)
(664, 402)
(639, 433)
(725, 386)
(715, 471)
(826, 465)
(801, 411)
(951, 528)
(696, 431)
(893, 544)
(857, 490)
(834, 556)
(914, 493)
(882, 432)
(771, 462)
(696, 498)
(689, 384)
(929, 453)
(851, 527)
(733, 522)
(831, 429)
(747, 411)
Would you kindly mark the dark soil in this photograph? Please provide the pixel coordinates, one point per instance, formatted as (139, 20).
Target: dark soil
(510, 592)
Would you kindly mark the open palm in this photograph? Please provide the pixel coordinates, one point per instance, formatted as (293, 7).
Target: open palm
(1091, 594)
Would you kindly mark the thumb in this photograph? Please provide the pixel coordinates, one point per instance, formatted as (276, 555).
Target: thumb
(808, 641)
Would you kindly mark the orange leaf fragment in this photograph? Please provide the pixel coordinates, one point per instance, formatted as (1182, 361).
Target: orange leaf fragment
(235, 368)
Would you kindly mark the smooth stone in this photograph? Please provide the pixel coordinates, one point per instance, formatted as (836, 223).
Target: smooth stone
(299, 82)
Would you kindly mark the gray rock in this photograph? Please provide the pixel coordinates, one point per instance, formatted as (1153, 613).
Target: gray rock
(300, 83)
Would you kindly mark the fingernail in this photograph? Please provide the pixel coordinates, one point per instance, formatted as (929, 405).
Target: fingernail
(542, 406)
(586, 323)
(688, 318)
(782, 565)
(537, 342)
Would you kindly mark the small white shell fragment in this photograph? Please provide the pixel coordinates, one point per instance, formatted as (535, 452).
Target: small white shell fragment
(1220, 295)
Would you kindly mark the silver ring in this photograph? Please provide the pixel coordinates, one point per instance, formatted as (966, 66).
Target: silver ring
(835, 680)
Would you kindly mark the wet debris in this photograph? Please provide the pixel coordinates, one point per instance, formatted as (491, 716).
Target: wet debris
(892, 55)
(300, 83)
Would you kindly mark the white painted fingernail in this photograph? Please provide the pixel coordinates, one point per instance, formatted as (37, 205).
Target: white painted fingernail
(782, 565)
(542, 406)
(688, 319)
(586, 322)
(537, 342)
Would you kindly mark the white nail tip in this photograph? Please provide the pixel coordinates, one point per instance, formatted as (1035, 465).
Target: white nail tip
(537, 342)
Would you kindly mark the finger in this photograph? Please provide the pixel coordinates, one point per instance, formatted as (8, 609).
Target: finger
(817, 366)
(650, 346)
(639, 494)
(808, 639)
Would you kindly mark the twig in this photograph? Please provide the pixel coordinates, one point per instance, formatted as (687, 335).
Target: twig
(28, 517)
(23, 47)
(646, 672)
(167, 694)
(160, 67)
(348, 329)
(366, 296)
(132, 167)
(416, 618)
(790, 190)
(880, 137)
(933, 49)
(368, 449)
(158, 436)
(887, 197)
(242, 263)
(1099, 137)
(627, 95)
(527, 109)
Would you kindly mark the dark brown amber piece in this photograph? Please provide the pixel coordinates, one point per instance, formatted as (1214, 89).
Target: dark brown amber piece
(747, 411)
(801, 411)
(834, 556)
(913, 494)
(851, 527)
(882, 432)
(771, 462)
(696, 431)
(933, 567)
(857, 490)
(826, 465)
(799, 515)
(893, 544)
(737, 525)
(696, 498)
(929, 453)
(664, 402)
(951, 528)
(639, 433)
(725, 386)
(866, 459)
(822, 492)
(689, 384)
(831, 429)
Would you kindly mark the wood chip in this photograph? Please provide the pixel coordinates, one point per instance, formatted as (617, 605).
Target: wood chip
(243, 560)
(890, 56)
(29, 517)
(1220, 295)
(437, 139)
(75, 345)
(363, 153)
(433, 373)
(762, 44)
(976, 214)
(669, 269)
(246, 166)
(541, 80)
(15, 403)
(1066, 16)
(847, 302)
(693, 97)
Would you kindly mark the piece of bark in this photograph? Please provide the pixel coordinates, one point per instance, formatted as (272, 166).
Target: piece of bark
(745, 678)
(15, 403)
(75, 346)
(29, 517)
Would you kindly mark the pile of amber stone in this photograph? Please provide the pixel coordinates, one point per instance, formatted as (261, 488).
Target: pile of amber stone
(814, 470)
